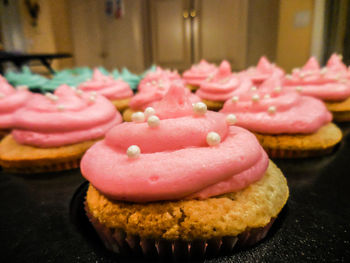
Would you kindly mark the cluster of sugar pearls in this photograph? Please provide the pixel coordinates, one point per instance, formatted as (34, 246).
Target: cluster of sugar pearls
(199, 109)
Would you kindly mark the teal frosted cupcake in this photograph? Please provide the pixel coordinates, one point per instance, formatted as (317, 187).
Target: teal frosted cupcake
(132, 79)
(34, 82)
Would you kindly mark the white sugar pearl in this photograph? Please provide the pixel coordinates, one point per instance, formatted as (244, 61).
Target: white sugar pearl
(267, 96)
(213, 138)
(289, 77)
(272, 109)
(138, 117)
(73, 87)
(299, 88)
(235, 99)
(231, 119)
(255, 97)
(133, 151)
(302, 74)
(60, 107)
(323, 71)
(154, 82)
(79, 92)
(277, 89)
(92, 98)
(199, 108)
(22, 87)
(51, 96)
(149, 111)
(254, 88)
(153, 121)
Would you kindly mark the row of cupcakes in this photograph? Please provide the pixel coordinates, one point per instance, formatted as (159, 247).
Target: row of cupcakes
(72, 77)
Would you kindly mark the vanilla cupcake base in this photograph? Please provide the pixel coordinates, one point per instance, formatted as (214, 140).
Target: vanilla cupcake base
(301, 145)
(128, 113)
(190, 227)
(340, 110)
(18, 158)
(121, 104)
(192, 88)
(213, 105)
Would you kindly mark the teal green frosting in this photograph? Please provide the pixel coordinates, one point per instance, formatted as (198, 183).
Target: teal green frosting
(71, 77)
(103, 71)
(132, 79)
(27, 78)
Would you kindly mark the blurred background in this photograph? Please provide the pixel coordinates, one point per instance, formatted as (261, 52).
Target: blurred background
(175, 33)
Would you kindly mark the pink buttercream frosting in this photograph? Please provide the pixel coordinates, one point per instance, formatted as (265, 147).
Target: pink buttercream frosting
(272, 109)
(159, 74)
(199, 72)
(264, 70)
(329, 83)
(153, 91)
(107, 86)
(221, 86)
(11, 100)
(176, 161)
(67, 117)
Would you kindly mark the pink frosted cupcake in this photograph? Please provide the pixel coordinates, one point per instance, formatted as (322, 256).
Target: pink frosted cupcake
(286, 123)
(218, 88)
(10, 101)
(117, 91)
(154, 91)
(264, 70)
(188, 185)
(330, 84)
(52, 132)
(198, 73)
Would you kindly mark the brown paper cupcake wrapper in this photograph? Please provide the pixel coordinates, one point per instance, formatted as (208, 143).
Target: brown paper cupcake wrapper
(283, 153)
(44, 168)
(118, 241)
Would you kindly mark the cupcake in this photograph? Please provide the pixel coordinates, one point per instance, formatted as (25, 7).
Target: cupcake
(159, 74)
(117, 91)
(218, 88)
(264, 70)
(330, 84)
(52, 132)
(154, 91)
(132, 79)
(287, 124)
(198, 73)
(10, 101)
(181, 187)
(34, 82)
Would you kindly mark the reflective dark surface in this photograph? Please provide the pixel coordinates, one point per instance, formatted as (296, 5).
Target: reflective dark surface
(42, 217)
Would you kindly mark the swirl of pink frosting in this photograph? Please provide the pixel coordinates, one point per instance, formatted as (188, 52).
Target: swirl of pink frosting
(329, 83)
(273, 110)
(264, 70)
(176, 161)
(107, 86)
(67, 117)
(221, 86)
(153, 91)
(11, 100)
(199, 72)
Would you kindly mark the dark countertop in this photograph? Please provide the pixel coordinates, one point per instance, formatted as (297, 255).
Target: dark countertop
(41, 217)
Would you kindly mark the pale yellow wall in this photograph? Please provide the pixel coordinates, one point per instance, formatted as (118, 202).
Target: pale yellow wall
(293, 45)
(52, 32)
